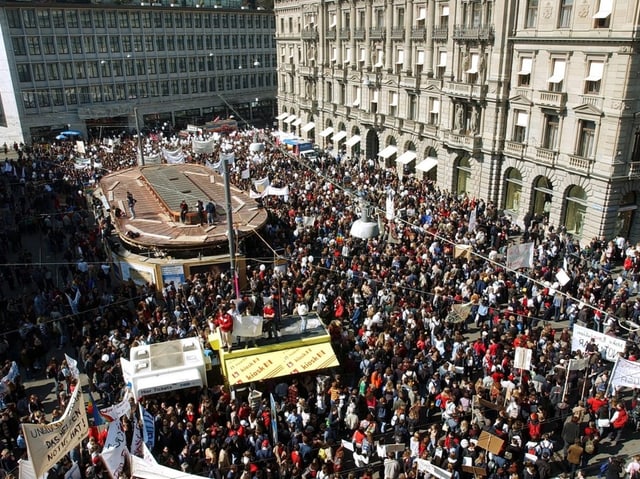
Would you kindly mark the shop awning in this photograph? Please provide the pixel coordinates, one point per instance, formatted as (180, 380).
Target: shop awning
(282, 116)
(308, 127)
(341, 135)
(427, 164)
(388, 152)
(326, 132)
(275, 364)
(407, 157)
(298, 122)
(606, 6)
(162, 383)
(354, 140)
(290, 118)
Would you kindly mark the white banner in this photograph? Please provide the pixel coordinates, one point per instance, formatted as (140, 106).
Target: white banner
(80, 147)
(137, 444)
(520, 256)
(114, 453)
(247, 326)
(609, 346)
(426, 466)
(261, 185)
(115, 412)
(273, 191)
(148, 427)
(26, 470)
(173, 157)
(625, 374)
(199, 146)
(390, 206)
(522, 359)
(73, 367)
(48, 443)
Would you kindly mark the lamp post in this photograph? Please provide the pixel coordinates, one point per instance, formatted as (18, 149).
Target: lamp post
(225, 157)
(140, 149)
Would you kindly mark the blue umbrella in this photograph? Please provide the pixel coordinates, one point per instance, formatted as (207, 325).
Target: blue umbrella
(61, 137)
(72, 133)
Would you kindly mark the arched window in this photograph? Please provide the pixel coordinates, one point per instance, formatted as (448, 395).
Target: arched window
(463, 175)
(626, 212)
(575, 210)
(513, 190)
(542, 196)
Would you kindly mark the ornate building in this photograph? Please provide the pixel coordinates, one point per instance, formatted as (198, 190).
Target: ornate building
(532, 105)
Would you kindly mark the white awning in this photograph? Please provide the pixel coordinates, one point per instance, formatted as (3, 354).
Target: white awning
(427, 164)
(558, 72)
(363, 54)
(420, 59)
(341, 135)
(374, 99)
(290, 118)
(298, 122)
(282, 116)
(326, 132)
(525, 68)
(356, 102)
(407, 157)
(161, 383)
(595, 71)
(473, 68)
(400, 59)
(435, 107)
(422, 14)
(394, 99)
(522, 119)
(445, 11)
(388, 152)
(354, 140)
(605, 9)
(308, 127)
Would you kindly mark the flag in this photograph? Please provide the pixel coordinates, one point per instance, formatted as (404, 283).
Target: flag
(473, 220)
(12, 375)
(390, 206)
(114, 453)
(92, 408)
(136, 441)
(73, 367)
(148, 427)
(262, 184)
(520, 256)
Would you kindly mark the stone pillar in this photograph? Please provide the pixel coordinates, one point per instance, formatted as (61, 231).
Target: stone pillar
(409, 15)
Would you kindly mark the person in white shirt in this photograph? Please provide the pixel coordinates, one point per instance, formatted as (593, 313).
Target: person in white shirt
(302, 311)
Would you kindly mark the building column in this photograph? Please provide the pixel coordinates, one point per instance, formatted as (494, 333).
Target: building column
(388, 54)
(367, 26)
(409, 15)
(428, 48)
(322, 28)
(338, 39)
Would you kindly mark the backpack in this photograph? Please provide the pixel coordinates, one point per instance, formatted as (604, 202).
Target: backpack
(545, 447)
(589, 447)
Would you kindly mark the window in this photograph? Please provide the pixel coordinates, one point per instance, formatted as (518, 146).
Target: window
(434, 111)
(38, 72)
(557, 78)
(24, 73)
(422, 15)
(602, 16)
(102, 45)
(33, 44)
(19, 47)
(89, 45)
(513, 190)
(79, 71)
(379, 58)
(586, 138)
(524, 75)
(48, 45)
(123, 19)
(472, 67)
(98, 19)
(593, 80)
(29, 18)
(399, 21)
(564, 19)
(542, 197)
(29, 99)
(412, 114)
(57, 97)
(393, 103)
(112, 20)
(419, 64)
(58, 18)
(347, 55)
(62, 45)
(441, 66)
(521, 121)
(126, 43)
(399, 60)
(70, 95)
(92, 69)
(551, 128)
(356, 96)
(14, 18)
(575, 210)
(52, 71)
(67, 71)
(444, 17)
(85, 19)
(76, 45)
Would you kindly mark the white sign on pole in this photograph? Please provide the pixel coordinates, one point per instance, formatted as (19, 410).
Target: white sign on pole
(609, 346)
(522, 359)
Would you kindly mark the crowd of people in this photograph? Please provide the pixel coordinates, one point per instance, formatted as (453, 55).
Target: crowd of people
(412, 373)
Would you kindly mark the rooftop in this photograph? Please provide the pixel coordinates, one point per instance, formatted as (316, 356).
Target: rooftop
(159, 190)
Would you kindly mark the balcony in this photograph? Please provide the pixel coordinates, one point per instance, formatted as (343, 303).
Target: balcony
(580, 164)
(440, 33)
(330, 34)
(634, 169)
(481, 33)
(309, 34)
(376, 33)
(514, 149)
(546, 157)
(418, 33)
(433, 82)
(523, 92)
(431, 130)
(397, 33)
(462, 141)
(467, 90)
(345, 33)
(594, 101)
(307, 71)
(307, 104)
(342, 111)
(367, 118)
(551, 99)
(408, 82)
(359, 34)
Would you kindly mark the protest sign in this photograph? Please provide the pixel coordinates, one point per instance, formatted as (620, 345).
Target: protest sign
(609, 346)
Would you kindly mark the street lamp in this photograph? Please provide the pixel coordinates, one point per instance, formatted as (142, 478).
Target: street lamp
(226, 157)
(140, 149)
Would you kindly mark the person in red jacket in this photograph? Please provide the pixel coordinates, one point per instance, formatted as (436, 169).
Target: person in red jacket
(618, 422)
(225, 323)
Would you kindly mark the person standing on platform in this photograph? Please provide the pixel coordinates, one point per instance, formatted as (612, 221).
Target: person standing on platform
(200, 210)
(269, 320)
(211, 212)
(184, 209)
(131, 202)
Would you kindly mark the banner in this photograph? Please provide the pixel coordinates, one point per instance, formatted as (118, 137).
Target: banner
(26, 470)
(473, 220)
(273, 191)
(261, 185)
(246, 174)
(12, 375)
(115, 412)
(114, 452)
(80, 147)
(48, 443)
(148, 428)
(228, 158)
(426, 466)
(73, 367)
(625, 374)
(247, 326)
(520, 256)
(608, 346)
(137, 444)
(217, 167)
(173, 157)
(199, 146)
